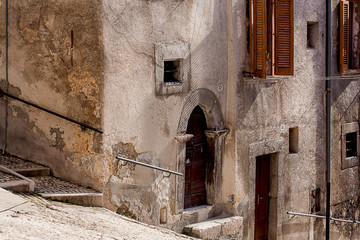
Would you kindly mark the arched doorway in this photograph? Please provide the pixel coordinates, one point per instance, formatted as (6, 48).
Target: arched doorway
(205, 103)
(196, 160)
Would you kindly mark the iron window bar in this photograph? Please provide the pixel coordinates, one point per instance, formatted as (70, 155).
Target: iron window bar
(49, 111)
(323, 217)
(148, 166)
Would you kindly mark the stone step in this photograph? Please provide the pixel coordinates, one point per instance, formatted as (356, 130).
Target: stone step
(83, 199)
(219, 228)
(14, 181)
(33, 172)
(23, 167)
(23, 176)
(59, 190)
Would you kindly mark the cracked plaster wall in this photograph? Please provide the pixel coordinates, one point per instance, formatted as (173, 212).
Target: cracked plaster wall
(55, 61)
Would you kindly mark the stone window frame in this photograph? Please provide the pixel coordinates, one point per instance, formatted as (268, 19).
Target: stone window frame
(172, 51)
(349, 162)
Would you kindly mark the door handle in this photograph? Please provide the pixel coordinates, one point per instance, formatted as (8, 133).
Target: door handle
(259, 198)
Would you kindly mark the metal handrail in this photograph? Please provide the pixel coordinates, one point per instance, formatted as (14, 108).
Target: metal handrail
(323, 217)
(49, 111)
(149, 166)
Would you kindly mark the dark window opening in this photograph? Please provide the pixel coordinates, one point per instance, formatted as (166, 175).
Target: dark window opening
(351, 144)
(312, 35)
(294, 140)
(172, 71)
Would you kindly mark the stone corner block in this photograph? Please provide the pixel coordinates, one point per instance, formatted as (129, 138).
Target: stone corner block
(231, 226)
(204, 230)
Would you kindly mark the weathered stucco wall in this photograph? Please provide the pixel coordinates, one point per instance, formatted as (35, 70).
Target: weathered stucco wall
(295, 101)
(345, 176)
(138, 121)
(100, 62)
(55, 61)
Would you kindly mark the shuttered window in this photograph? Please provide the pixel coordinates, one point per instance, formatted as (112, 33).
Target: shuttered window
(344, 35)
(349, 37)
(282, 48)
(258, 38)
(284, 37)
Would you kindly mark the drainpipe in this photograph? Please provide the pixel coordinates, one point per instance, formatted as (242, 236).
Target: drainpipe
(6, 74)
(328, 113)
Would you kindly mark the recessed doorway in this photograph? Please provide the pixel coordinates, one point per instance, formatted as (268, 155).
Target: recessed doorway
(196, 160)
(262, 190)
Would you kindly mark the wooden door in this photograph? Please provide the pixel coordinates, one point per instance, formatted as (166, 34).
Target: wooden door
(262, 197)
(195, 161)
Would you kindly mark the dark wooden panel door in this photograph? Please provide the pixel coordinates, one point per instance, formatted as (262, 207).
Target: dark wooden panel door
(262, 197)
(195, 161)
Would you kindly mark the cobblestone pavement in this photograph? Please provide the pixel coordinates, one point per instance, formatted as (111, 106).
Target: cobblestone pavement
(16, 163)
(39, 219)
(49, 184)
(6, 177)
(44, 184)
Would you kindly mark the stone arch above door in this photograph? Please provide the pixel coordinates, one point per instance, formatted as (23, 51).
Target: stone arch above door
(209, 104)
(215, 135)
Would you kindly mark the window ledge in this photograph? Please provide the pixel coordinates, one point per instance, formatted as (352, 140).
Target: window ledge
(167, 84)
(352, 72)
(350, 162)
(344, 76)
(269, 80)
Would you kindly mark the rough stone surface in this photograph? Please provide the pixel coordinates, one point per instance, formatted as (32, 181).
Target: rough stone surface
(204, 230)
(230, 226)
(222, 228)
(30, 217)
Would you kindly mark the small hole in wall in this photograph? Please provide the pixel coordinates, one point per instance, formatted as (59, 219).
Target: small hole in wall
(172, 71)
(163, 215)
(294, 140)
(72, 38)
(72, 47)
(312, 35)
(315, 200)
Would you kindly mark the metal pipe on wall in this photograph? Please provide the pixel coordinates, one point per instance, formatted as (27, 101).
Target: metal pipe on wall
(328, 113)
(6, 74)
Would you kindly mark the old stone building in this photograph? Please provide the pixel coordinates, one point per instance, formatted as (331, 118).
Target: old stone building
(229, 93)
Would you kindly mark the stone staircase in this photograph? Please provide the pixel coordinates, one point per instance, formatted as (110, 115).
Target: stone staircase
(217, 228)
(22, 176)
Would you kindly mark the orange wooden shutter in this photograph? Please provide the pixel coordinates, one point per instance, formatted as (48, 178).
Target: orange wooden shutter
(258, 37)
(344, 35)
(284, 37)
